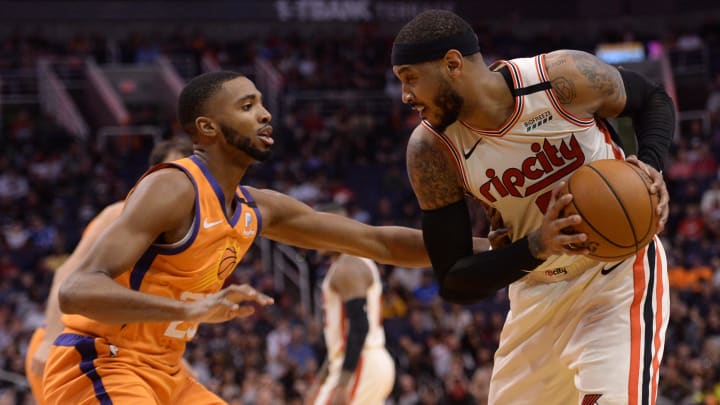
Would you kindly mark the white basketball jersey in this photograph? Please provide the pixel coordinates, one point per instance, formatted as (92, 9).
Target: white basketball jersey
(514, 168)
(335, 323)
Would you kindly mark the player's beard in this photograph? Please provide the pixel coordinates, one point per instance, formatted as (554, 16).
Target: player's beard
(245, 144)
(449, 102)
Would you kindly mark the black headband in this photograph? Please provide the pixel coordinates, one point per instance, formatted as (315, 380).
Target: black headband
(407, 54)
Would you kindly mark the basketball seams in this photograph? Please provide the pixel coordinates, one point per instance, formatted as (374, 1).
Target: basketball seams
(637, 171)
(597, 232)
(625, 211)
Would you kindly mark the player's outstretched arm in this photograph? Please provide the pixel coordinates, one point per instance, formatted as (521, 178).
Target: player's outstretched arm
(52, 310)
(294, 223)
(588, 87)
(162, 202)
(465, 277)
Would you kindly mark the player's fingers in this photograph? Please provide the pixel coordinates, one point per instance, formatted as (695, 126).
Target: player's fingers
(243, 311)
(663, 209)
(245, 293)
(632, 159)
(263, 299)
(577, 239)
(662, 220)
(557, 190)
(557, 203)
(239, 293)
(656, 178)
(566, 222)
(575, 250)
(658, 183)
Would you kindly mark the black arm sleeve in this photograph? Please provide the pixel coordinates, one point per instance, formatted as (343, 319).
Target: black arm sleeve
(653, 117)
(358, 330)
(465, 278)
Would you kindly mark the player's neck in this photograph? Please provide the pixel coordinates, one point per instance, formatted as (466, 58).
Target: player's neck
(226, 171)
(488, 101)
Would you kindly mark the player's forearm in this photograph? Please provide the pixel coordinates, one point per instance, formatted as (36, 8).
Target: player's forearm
(464, 277)
(99, 297)
(474, 278)
(405, 247)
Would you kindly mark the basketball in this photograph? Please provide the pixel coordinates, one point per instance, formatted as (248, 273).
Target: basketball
(618, 211)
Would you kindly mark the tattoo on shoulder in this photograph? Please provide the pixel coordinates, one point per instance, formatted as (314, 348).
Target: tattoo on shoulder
(433, 178)
(601, 77)
(555, 62)
(564, 89)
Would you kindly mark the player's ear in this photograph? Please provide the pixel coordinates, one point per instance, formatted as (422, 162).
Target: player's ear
(205, 126)
(453, 62)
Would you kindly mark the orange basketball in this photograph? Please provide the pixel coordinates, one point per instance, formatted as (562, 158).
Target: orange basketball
(618, 211)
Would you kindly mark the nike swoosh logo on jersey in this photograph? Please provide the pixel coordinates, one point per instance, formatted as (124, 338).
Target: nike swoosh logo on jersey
(605, 271)
(207, 224)
(468, 153)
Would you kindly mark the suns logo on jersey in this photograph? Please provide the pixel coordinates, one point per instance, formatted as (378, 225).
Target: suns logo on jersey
(228, 259)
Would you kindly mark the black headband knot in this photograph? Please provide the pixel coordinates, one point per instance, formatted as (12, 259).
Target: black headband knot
(407, 54)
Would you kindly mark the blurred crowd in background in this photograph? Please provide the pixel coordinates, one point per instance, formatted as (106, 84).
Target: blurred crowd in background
(52, 184)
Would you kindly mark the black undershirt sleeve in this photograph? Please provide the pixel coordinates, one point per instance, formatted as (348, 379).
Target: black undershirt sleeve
(465, 278)
(653, 117)
(357, 332)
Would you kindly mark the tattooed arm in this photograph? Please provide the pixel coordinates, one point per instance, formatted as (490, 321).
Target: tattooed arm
(432, 173)
(585, 85)
(588, 87)
(463, 277)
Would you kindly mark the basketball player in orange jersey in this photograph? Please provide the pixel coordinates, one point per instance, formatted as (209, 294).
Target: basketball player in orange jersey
(43, 337)
(578, 331)
(156, 272)
(358, 368)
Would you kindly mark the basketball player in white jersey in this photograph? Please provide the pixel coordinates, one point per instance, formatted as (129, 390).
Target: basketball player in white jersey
(358, 369)
(578, 331)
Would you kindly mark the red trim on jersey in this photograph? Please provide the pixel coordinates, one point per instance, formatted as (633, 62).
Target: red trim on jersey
(541, 78)
(639, 285)
(358, 373)
(617, 152)
(659, 265)
(458, 163)
(517, 112)
(570, 117)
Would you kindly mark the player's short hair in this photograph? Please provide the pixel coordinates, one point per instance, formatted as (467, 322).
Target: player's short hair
(195, 95)
(163, 148)
(432, 25)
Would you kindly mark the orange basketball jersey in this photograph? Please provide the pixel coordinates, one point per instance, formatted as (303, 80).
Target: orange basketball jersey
(186, 270)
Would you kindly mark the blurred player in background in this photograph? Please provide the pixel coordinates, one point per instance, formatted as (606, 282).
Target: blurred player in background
(358, 369)
(43, 337)
(156, 273)
(579, 331)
